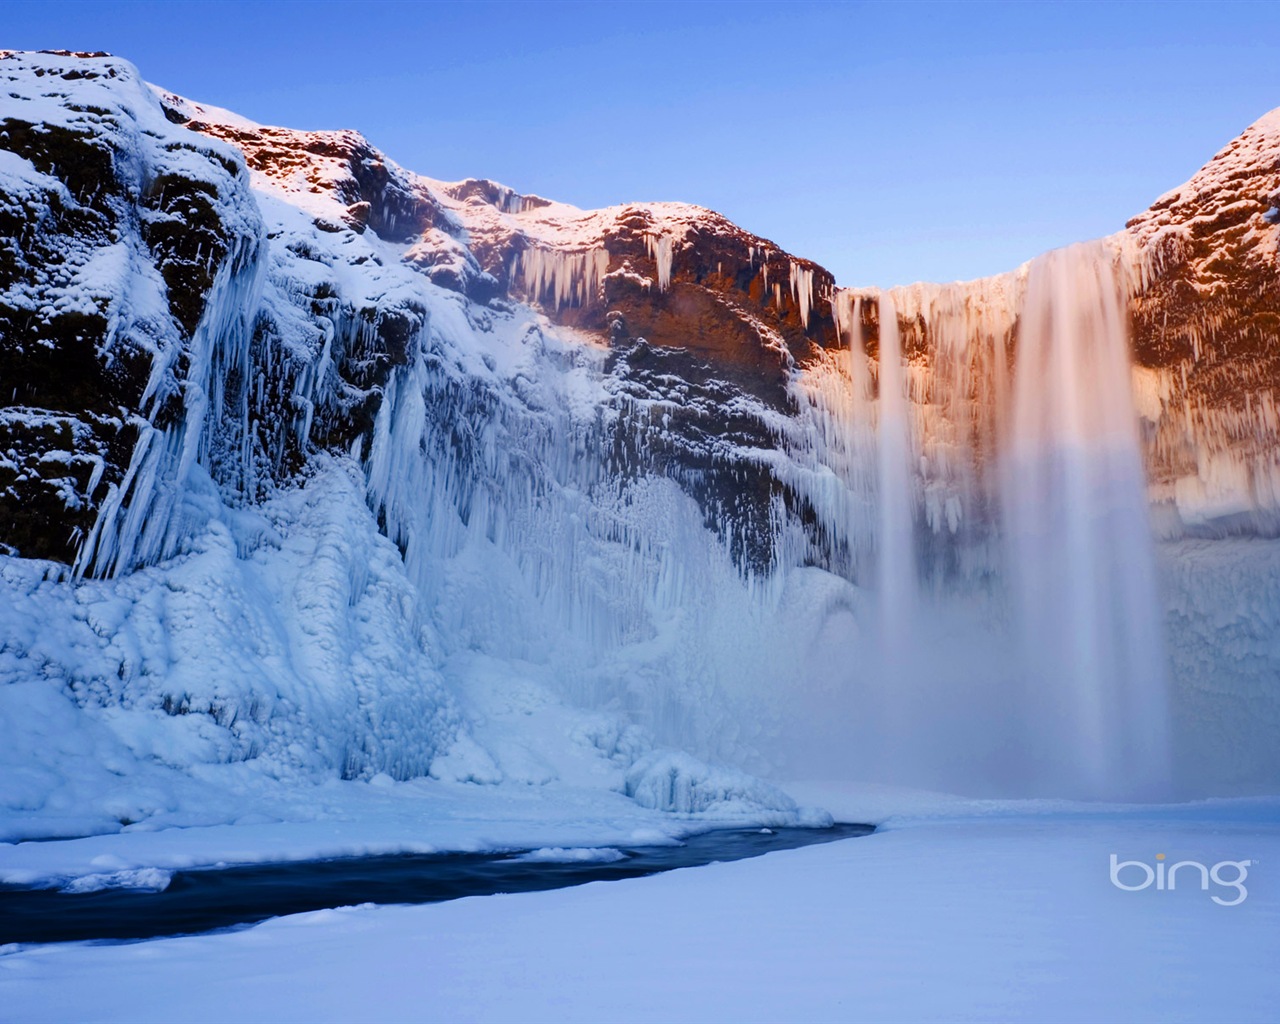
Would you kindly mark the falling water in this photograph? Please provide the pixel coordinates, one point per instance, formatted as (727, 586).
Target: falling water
(1078, 540)
(896, 574)
(1015, 643)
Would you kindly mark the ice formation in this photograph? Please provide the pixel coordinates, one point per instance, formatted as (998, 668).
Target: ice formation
(802, 289)
(559, 278)
(672, 781)
(373, 495)
(661, 251)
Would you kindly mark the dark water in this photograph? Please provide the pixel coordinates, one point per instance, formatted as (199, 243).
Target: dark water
(198, 901)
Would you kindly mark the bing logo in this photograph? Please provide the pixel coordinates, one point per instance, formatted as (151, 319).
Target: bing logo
(1139, 875)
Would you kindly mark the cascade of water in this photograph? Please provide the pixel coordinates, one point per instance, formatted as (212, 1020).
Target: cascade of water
(1017, 644)
(1078, 539)
(896, 567)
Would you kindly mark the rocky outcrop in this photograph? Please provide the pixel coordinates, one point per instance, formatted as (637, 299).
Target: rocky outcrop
(113, 234)
(1206, 320)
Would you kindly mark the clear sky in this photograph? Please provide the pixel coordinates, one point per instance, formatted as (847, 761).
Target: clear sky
(889, 142)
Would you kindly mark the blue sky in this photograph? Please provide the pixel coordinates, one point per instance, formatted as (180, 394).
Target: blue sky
(889, 142)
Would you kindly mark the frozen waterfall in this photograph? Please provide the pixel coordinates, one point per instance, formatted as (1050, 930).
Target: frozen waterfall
(971, 604)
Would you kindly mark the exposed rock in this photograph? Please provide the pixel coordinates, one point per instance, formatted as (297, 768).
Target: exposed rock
(111, 236)
(1206, 317)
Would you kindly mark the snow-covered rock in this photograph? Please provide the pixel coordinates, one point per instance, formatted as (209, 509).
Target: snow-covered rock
(668, 780)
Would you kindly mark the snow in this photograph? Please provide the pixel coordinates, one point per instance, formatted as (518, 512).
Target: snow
(315, 650)
(478, 611)
(331, 819)
(968, 918)
(143, 879)
(579, 855)
(481, 625)
(1255, 153)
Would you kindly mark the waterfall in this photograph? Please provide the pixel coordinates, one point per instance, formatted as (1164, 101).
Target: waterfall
(1078, 540)
(896, 567)
(1010, 637)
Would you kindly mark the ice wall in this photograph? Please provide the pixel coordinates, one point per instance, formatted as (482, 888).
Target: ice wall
(965, 601)
(140, 521)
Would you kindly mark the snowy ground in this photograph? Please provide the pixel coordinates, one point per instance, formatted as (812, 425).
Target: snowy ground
(355, 819)
(954, 911)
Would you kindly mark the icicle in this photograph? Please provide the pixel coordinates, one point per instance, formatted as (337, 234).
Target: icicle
(559, 277)
(136, 524)
(802, 290)
(660, 251)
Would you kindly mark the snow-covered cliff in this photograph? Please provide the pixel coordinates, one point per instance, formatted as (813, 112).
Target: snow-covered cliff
(308, 460)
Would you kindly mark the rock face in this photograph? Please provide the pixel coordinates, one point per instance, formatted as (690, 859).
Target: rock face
(693, 309)
(113, 235)
(1206, 318)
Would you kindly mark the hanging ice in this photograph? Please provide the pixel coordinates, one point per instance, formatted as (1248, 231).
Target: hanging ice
(660, 252)
(802, 290)
(560, 278)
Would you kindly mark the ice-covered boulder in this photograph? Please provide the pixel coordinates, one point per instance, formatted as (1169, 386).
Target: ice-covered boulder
(673, 781)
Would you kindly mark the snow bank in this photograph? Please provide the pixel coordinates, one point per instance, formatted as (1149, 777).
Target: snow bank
(971, 920)
(282, 641)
